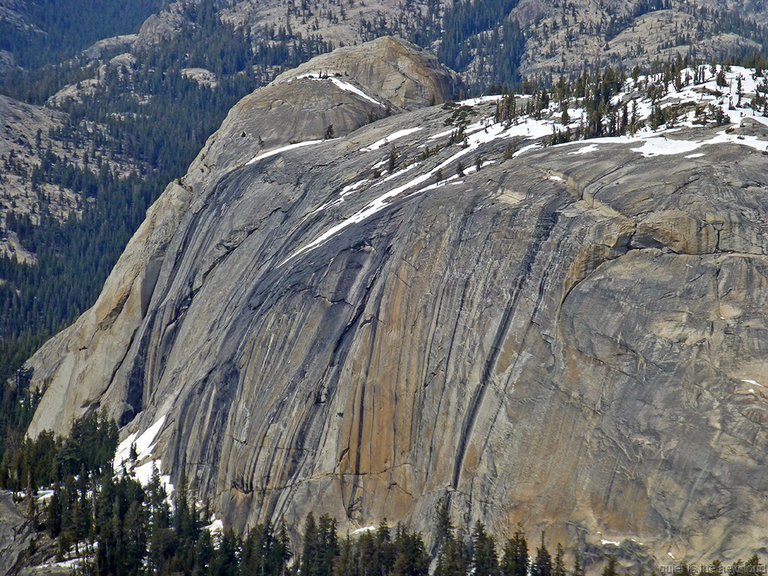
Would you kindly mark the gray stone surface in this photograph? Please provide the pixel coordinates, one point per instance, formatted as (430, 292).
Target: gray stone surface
(569, 342)
(15, 535)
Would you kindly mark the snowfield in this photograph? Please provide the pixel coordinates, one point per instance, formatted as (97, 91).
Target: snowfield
(142, 466)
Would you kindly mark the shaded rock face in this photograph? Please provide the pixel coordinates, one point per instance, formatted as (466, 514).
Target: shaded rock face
(573, 342)
(16, 534)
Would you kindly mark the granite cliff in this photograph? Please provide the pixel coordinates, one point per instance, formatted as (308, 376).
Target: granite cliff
(432, 305)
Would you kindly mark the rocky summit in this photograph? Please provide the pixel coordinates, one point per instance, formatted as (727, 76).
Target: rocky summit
(427, 303)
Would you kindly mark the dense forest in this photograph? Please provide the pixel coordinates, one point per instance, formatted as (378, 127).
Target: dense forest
(57, 29)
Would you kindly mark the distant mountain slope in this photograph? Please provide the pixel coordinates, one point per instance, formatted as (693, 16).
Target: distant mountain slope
(444, 304)
(36, 33)
(563, 36)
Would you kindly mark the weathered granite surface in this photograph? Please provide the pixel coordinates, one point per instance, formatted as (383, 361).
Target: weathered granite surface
(16, 534)
(575, 342)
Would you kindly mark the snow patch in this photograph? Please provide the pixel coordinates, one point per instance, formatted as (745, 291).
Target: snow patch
(74, 563)
(44, 495)
(665, 147)
(364, 530)
(141, 467)
(281, 150)
(585, 149)
(481, 100)
(216, 528)
(525, 149)
(389, 139)
(383, 201)
(347, 87)
(143, 444)
(753, 382)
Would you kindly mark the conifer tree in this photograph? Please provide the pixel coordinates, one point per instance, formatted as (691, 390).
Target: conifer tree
(578, 569)
(411, 558)
(515, 561)
(346, 564)
(542, 565)
(484, 558)
(610, 567)
(559, 567)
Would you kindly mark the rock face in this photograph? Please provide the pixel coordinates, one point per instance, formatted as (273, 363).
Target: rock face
(571, 339)
(16, 534)
(22, 126)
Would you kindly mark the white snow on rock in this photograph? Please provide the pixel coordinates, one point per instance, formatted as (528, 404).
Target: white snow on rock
(697, 105)
(44, 495)
(141, 468)
(665, 147)
(346, 86)
(277, 151)
(473, 141)
(481, 100)
(216, 527)
(142, 442)
(585, 149)
(389, 139)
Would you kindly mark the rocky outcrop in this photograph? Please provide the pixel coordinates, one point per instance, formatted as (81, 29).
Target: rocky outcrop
(16, 535)
(387, 69)
(22, 127)
(570, 338)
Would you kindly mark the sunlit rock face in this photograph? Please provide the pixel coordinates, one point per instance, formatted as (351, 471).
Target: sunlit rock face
(570, 338)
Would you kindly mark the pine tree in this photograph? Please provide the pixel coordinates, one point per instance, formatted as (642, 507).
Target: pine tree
(542, 565)
(515, 561)
(411, 558)
(559, 568)
(346, 564)
(311, 549)
(204, 552)
(484, 558)
(224, 562)
(452, 559)
(610, 568)
(578, 569)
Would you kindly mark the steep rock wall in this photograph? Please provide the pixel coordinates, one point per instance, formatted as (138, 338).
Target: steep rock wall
(572, 339)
